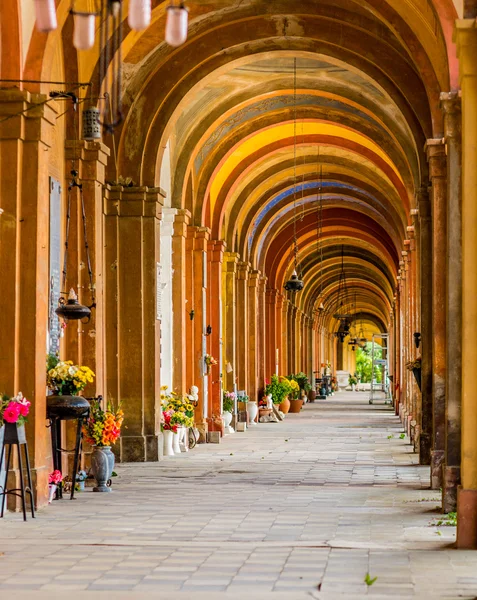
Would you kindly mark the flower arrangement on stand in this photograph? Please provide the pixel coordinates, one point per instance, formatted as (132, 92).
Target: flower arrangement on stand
(102, 430)
(54, 480)
(67, 379)
(209, 362)
(228, 409)
(81, 477)
(178, 416)
(14, 410)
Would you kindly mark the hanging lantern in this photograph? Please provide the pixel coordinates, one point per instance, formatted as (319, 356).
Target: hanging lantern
(45, 15)
(91, 126)
(139, 16)
(72, 310)
(83, 36)
(176, 25)
(294, 284)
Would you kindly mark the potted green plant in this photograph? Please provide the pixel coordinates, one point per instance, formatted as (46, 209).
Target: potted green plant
(66, 380)
(353, 382)
(278, 388)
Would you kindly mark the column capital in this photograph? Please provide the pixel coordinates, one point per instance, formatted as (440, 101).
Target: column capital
(465, 37)
(230, 261)
(132, 201)
(181, 222)
(254, 279)
(243, 269)
(436, 156)
(29, 124)
(216, 249)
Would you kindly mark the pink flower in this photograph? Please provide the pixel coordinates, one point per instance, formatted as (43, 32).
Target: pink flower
(56, 477)
(24, 407)
(12, 413)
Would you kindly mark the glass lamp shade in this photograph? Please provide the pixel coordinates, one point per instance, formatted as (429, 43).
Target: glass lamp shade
(83, 37)
(45, 15)
(176, 25)
(139, 16)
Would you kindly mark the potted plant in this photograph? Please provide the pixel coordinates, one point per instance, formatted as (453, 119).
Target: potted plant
(180, 416)
(66, 380)
(169, 429)
(209, 362)
(54, 480)
(101, 430)
(265, 406)
(353, 382)
(228, 407)
(13, 413)
(81, 477)
(278, 388)
(415, 366)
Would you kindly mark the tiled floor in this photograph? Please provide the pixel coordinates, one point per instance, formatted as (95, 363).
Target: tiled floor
(286, 511)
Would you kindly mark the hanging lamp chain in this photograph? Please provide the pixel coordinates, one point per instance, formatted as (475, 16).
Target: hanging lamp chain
(295, 241)
(74, 183)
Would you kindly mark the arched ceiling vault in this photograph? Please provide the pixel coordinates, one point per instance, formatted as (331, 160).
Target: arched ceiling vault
(369, 76)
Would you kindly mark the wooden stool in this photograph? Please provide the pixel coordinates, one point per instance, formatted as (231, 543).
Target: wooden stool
(15, 436)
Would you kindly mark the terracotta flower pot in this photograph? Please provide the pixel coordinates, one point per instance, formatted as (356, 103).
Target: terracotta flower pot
(264, 412)
(285, 405)
(295, 405)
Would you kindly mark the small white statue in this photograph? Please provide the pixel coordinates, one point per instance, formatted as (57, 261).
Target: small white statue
(194, 393)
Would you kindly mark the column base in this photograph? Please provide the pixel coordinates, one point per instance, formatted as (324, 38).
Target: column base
(424, 449)
(437, 462)
(216, 425)
(450, 484)
(466, 519)
(140, 448)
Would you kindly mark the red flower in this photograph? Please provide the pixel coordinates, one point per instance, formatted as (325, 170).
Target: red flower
(12, 413)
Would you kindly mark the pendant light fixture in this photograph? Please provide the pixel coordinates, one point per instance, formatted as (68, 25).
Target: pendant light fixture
(176, 24)
(70, 309)
(110, 17)
(295, 283)
(341, 312)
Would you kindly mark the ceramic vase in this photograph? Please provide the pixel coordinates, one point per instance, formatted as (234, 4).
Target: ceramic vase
(175, 441)
(51, 492)
(102, 463)
(184, 439)
(227, 417)
(252, 409)
(168, 435)
(353, 387)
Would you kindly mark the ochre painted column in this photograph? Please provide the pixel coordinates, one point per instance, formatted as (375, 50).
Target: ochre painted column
(242, 326)
(229, 275)
(132, 226)
(216, 249)
(262, 333)
(466, 37)
(253, 335)
(438, 176)
(24, 258)
(272, 345)
(86, 345)
(279, 321)
(180, 309)
(451, 105)
(426, 325)
(197, 242)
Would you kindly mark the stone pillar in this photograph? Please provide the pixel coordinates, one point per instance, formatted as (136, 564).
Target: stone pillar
(451, 105)
(24, 258)
(243, 326)
(229, 319)
(466, 37)
(261, 334)
(438, 177)
(85, 343)
(272, 344)
(279, 321)
(132, 234)
(253, 335)
(215, 253)
(285, 324)
(196, 286)
(426, 325)
(181, 310)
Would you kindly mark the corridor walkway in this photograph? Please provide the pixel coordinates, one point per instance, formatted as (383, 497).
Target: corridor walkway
(300, 509)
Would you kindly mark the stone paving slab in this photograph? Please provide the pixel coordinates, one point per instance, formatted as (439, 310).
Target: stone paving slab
(299, 509)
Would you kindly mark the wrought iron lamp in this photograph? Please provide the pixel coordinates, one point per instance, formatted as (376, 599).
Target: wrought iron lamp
(295, 283)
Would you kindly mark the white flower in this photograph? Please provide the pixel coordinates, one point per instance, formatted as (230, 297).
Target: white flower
(72, 371)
